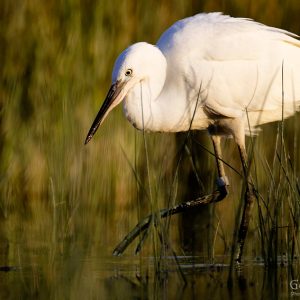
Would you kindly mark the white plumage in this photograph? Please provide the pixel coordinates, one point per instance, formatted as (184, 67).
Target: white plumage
(210, 71)
(229, 67)
(238, 63)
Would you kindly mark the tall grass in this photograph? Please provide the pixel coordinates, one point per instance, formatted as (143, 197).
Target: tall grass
(73, 201)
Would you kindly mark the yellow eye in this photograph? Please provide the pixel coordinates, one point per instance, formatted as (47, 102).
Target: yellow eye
(128, 72)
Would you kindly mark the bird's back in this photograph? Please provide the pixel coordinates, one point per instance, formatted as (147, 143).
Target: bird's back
(238, 63)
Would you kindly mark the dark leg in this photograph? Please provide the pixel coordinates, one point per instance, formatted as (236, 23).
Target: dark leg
(222, 181)
(216, 196)
(249, 199)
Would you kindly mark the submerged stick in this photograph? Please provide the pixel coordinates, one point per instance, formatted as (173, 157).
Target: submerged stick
(216, 196)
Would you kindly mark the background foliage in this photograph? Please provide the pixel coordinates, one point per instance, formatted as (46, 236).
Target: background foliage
(67, 201)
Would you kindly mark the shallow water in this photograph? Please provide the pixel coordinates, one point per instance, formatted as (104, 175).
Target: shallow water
(64, 207)
(82, 276)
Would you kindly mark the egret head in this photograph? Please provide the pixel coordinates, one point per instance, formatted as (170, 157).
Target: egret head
(141, 62)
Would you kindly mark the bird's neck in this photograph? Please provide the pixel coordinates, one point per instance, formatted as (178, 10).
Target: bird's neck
(141, 107)
(167, 111)
(160, 104)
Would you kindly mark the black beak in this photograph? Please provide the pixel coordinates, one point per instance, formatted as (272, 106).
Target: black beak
(112, 99)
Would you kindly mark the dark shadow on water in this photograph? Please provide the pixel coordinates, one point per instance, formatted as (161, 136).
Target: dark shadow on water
(136, 278)
(203, 281)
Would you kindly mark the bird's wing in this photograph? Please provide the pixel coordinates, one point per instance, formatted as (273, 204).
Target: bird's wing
(238, 61)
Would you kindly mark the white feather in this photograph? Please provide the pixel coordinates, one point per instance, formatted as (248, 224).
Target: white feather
(227, 67)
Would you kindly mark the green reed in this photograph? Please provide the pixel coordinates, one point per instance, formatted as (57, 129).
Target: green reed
(72, 200)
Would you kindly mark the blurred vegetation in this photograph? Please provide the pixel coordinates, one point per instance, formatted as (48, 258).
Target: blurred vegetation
(68, 200)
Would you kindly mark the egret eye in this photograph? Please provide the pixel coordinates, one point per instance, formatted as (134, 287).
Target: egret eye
(128, 72)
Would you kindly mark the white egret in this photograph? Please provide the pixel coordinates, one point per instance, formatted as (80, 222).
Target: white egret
(210, 71)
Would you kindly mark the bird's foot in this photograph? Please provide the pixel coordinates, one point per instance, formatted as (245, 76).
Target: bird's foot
(222, 181)
(222, 184)
(238, 258)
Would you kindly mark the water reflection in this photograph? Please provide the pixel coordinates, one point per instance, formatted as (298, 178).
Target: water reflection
(63, 206)
(136, 278)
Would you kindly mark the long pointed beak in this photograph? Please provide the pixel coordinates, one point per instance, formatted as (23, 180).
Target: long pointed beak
(114, 96)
